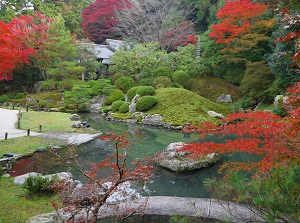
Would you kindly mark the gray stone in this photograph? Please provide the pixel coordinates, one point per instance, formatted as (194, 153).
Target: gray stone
(75, 117)
(76, 125)
(54, 110)
(22, 178)
(215, 114)
(6, 175)
(224, 98)
(280, 101)
(43, 218)
(49, 101)
(155, 120)
(132, 107)
(41, 149)
(179, 161)
(135, 98)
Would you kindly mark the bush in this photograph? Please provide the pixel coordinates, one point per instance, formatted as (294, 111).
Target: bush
(146, 81)
(37, 185)
(162, 82)
(48, 85)
(124, 83)
(280, 112)
(116, 105)
(106, 110)
(162, 71)
(115, 78)
(145, 103)
(20, 96)
(114, 95)
(3, 98)
(145, 90)
(175, 85)
(100, 87)
(182, 78)
(124, 107)
(132, 92)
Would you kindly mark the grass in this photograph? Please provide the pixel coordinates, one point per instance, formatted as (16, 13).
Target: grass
(16, 207)
(50, 121)
(178, 105)
(22, 145)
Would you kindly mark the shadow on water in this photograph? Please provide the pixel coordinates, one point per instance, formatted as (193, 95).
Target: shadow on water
(153, 140)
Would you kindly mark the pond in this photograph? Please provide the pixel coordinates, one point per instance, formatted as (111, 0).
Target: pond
(154, 139)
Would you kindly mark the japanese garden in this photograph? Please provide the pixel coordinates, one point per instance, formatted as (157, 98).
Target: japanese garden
(169, 111)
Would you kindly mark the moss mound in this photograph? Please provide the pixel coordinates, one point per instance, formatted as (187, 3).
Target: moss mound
(178, 105)
(212, 87)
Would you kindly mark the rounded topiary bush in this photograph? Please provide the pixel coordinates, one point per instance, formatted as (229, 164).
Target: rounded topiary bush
(124, 83)
(124, 107)
(114, 95)
(182, 78)
(145, 103)
(116, 105)
(115, 77)
(162, 71)
(132, 92)
(162, 81)
(145, 90)
(4, 98)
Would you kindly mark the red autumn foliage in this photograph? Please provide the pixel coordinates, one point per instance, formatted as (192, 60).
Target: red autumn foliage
(276, 140)
(99, 19)
(236, 19)
(19, 40)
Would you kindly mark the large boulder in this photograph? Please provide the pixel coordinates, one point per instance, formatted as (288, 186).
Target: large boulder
(224, 98)
(179, 161)
(155, 120)
(22, 178)
(215, 114)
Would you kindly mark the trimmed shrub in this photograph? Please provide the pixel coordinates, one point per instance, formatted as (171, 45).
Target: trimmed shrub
(106, 110)
(146, 81)
(116, 105)
(164, 81)
(175, 85)
(114, 95)
(48, 85)
(124, 107)
(145, 103)
(4, 98)
(124, 83)
(162, 71)
(132, 92)
(20, 96)
(145, 90)
(115, 78)
(38, 185)
(182, 78)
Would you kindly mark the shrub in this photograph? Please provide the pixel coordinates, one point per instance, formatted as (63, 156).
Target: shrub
(162, 71)
(48, 85)
(280, 112)
(100, 87)
(124, 83)
(162, 81)
(132, 92)
(116, 105)
(114, 95)
(124, 107)
(146, 81)
(37, 185)
(182, 78)
(106, 110)
(115, 78)
(20, 96)
(145, 90)
(175, 85)
(3, 98)
(145, 103)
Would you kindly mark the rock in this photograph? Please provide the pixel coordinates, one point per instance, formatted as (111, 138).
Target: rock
(176, 161)
(76, 125)
(43, 218)
(155, 119)
(49, 101)
(64, 176)
(53, 110)
(96, 103)
(132, 107)
(224, 98)
(280, 101)
(6, 175)
(215, 114)
(135, 98)
(22, 178)
(75, 117)
(41, 149)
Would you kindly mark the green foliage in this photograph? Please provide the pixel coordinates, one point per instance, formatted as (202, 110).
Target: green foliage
(124, 83)
(179, 219)
(258, 78)
(106, 110)
(100, 86)
(48, 85)
(146, 81)
(162, 81)
(115, 77)
(242, 104)
(279, 111)
(79, 95)
(145, 90)
(182, 78)
(114, 95)
(3, 98)
(145, 103)
(38, 185)
(124, 107)
(132, 92)
(20, 96)
(162, 71)
(116, 105)
(68, 83)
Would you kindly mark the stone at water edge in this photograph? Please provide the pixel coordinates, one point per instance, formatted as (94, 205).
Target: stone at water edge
(22, 178)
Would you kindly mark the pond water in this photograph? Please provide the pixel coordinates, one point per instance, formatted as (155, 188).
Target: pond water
(165, 183)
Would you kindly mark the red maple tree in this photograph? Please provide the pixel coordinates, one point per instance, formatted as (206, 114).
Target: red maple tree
(236, 19)
(276, 140)
(19, 40)
(99, 19)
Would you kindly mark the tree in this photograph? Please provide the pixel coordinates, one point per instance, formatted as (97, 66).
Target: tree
(105, 179)
(79, 95)
(275, 141)
(155, 21)
(99, 19)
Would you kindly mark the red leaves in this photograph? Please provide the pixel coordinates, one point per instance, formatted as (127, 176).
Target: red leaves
(236, 19)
